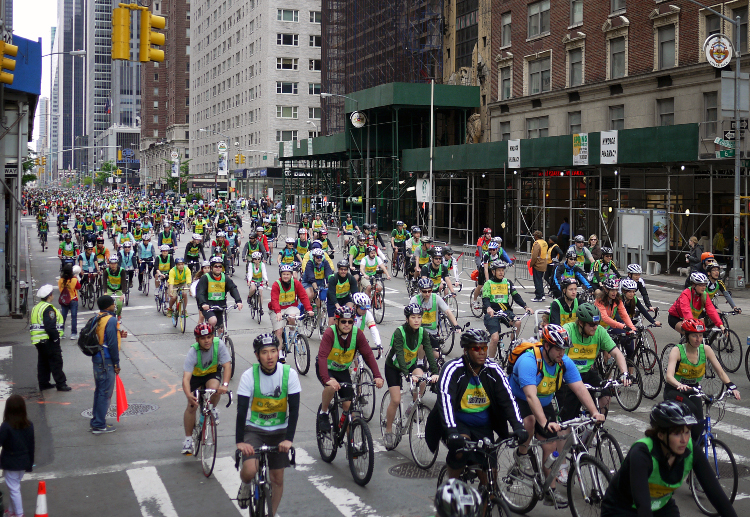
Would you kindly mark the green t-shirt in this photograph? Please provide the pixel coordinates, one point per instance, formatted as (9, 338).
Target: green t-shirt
(584, 351)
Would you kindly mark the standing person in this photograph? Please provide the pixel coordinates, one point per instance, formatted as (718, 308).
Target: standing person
(719, 243)
(693, 258)
(46, 328)
(106, 364)
(17, 455)
(539, 265)
(68, 285)
(563, 234)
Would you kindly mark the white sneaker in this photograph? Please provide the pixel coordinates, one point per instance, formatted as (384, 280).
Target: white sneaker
(562, 476)
(73, 336)
(244, 495)
(389, 441)
(187, 446)
(524, 463)
(215, 413)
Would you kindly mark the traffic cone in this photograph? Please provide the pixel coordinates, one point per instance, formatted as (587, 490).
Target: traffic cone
(41, 500)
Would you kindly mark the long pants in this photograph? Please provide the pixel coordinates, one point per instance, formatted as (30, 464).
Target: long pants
(13, 480)
(104, 381)
(538, 284)
(49, 361)
(73, 310)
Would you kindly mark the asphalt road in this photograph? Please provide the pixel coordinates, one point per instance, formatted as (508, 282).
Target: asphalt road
(139, 470)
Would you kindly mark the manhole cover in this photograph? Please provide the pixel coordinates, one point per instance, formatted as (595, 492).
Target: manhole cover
(410, 470)
(136, 408)
(743, 471)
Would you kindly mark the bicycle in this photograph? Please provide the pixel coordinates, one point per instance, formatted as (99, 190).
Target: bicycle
(377, 297)
(446, 333)
(88, 296)
(645, 359)
(253, 303)
(490, 493)
(587, 482)
(43, 239)
(204, 431)
(711, 383)
(629, 397)
(502, 354)
(362, 377)
(728, 346)
(351, 429)
(145, 275)
(606, 447)
(126, 284)
(292, 337)
(160, 295)
(415, 422)
(222, 330)
(397, 262)
(309, 325)
(261, 489)
(180, 311)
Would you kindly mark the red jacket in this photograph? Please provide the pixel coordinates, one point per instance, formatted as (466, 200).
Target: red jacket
(301, 296)
(682, 306)
(363, 347)
(482, 245)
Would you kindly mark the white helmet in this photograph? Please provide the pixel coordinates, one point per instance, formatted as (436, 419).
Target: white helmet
(164, 247)
(197, 237)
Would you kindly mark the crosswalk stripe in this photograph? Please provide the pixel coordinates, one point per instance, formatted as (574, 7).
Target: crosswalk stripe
(6, 386)
(151, 493)
(345, 501)
(228, 478)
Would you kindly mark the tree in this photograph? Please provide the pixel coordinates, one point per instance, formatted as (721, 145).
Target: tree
(105, 172)
(184, 177)
(26, 178)
(87, 180)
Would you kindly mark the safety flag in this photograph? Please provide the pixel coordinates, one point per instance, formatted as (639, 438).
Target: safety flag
(122, 398)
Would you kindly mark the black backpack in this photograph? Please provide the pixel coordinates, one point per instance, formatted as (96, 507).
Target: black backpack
(88, 341)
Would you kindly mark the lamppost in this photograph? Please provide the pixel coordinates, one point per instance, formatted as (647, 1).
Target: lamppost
(216, 174)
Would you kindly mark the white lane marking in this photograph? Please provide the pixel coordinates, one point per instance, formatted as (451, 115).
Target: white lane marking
(303, 460)
(628, 422)
(738, 409)
(124, 308)
(6, 386)
(229, 478)
(151, 493)
(346, 502)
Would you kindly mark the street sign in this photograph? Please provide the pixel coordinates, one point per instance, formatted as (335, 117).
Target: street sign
(222, 146)
(729, 153)
(724, 143)
(731, 135)
(174, 155)
(745, 163)
(743, 124)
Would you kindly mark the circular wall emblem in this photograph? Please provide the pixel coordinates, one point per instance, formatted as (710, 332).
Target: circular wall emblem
(718, 50)
(358, 119)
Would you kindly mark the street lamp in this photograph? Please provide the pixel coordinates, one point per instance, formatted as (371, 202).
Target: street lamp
(324, 95)
(313, 124)
(78, 53)
(214, 132)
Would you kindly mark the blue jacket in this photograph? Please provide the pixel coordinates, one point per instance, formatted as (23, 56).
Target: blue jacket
(309, 276)
(111, 349)
(574, 270)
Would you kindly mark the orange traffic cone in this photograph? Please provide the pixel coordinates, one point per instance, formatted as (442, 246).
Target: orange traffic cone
(41, 500)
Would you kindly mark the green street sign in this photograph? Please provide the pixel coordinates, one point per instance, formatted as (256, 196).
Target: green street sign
(745, 163)
(729, 153)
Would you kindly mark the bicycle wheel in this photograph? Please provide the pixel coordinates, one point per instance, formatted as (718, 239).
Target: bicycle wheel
(306, 326)
(91, 299)
(183, 319)
(453, 305)
(302, 354)
(608, 451)
(395, 266)
(586, 487)
(396, 426)
(326, 445)
(197, 434)
(498, 507)
(729, 351)
(630, 397)
(258, 309)
(361, 457)
(723, 464)
(650, 371)
(230, 347)
(516, 489)
(366, 394)
(711, 383)
(157, 297)
(665, 356)
(476, 311)
(265, 506)
(747, 363)
(126, 292)
(648, 340)
(208, 445)
(146, 282)
(378, 309)
(420, 452)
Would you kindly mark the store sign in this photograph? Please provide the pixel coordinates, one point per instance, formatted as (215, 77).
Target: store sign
(608, 147)
(580, 149)
(514, 153)
(553, 174)
(718, 50)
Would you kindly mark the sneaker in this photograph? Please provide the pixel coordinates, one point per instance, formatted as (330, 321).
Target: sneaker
(324, 424)
(74, 336)
(389, 441)
(538, 299)
(524, 463)
(108, 426)
(562, 476)
(555, 498)
(169, 312)
(244, 494)
(215, 413)
(187, 446)
(104, 430)
(64, 387)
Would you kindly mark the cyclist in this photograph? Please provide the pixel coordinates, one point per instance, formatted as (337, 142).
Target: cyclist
(302, 244)
(604, 268)
(146, 254)
(288, 254)
(482, 246)
(221, 242)
(715, 285)
(363, 318)
(538, 373)
(614, 316)
(212, 290)
(207, 365)
(88, 263)
(43, 228)
(317, 272)
(179, 276)
(129, 261)
(342, 286)
(412, 243)
(113, 282)
(420, 258)
(286, 294)
(454, 498)
(256, 278)
(251, 246)
(194, 250)
(68, 250)
(348, 226)
(357, 252)
(325, 243)
(658, 464)
(451, 265)
(633, 305)
(369, 267)
(399, 236)
(317, 223)
(634, 273)
(407, 342)
(262, 240)
(431, 304)
(163, 264)
(338, 345)
(492, 254)
(436, 272)
(583, 254)
(694, 303)
(498, 295)
(686, 369)
(700, 263)
(563, 310)
(568, 269)
(274, 223)
(268, 400)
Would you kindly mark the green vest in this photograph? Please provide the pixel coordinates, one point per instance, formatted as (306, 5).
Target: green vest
(342, 288)
(410, 355)
(114, 282)
(217, 289)
(198, 370)
(429, 316)
(340, 359)
(567, 317)
(267, 410)
(687, 372)
(36, 324)
(659, 490)
(497, 292)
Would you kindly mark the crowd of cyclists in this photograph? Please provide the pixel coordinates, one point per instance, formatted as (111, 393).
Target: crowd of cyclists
(488, 390)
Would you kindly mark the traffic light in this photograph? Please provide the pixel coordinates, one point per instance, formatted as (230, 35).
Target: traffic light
(148, 38)
(237, 159)
(36, 162)
(119, 155)
(121, 33)
(119, 172)
(7, 64)
(242, 158)
(44, 160)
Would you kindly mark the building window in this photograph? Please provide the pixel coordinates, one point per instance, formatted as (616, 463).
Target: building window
(289, 40)
(617, 58)
(287, 15)
(156, 133)
(665, 111)
(156, 104)
(710, 114)
(316, 41)
(539, 76)
(537, 127)
(156, 91)
(618, 5)
(617, 117)
(287, 63)
(286, 136)
(574, 122)
(505, 131)
(505, 84)
(575, 58)
(316, 64)
(742, 13)
(286, 111)
(156, 119)
(282, 87)
(314, 113)
(576, 12)
(316, 17)
(666, 37)
(505, 30)
(538, 18)
(313, 134)
(313, 88)
(156, 77)
(713, 24)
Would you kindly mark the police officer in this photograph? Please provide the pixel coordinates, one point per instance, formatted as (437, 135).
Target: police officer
(46, 328)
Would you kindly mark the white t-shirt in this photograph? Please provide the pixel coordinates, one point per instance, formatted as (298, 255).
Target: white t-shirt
(269, 384)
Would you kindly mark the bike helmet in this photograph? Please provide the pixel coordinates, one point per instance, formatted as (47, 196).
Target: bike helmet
(361, 300)
(436, 251)
(264, 340)
(497, 264)
(629, 285)
(706, 255)
(127, 244)
(426, 239)
(555, 335)
(579, 238)
(607, 251)
(416, 229)
(493, 246)
(179, 260)
(588, 313)
(164, 247)
(342, 263)
(566, 281)
(425, 283)
(301, 231)
(693, 326)
(100, 239)
(413, 308)
(89, 245)
(286, 267)
(344, 312)
(317, 253)
(611, 283)
(197, 237)
(455, 498)
(323, 231)
(635, 269)
(146, 237)
(671, 413)
(571, 255)
(256, 255)
(497, 239)
(711, 264)
(399, 223)
(698, 278)
(216, 260)
(361, 237)
(371, 248)
(316, 245)
(472, 337)
(205, 263)
(203, 329)
(113, 259)
(487, 230)
(221, 234)
(366, 226)
(288, 240)
(447, 250)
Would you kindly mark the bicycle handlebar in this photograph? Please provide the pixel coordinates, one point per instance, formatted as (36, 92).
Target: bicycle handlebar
(265, 449)
(209, 391)
(223, 309)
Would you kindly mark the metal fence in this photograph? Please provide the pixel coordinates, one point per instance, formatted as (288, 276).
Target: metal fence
(520, 269)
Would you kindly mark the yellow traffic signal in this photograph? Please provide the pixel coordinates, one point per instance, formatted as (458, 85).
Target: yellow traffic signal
(7, 64)
(148, 38)
(44, 160)
(237, 158)
(119, 172)
(119, 155)
(242, 158)
(121, 33)
(36, 161)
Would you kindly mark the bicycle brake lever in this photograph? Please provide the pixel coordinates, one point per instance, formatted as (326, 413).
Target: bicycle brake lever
(237, 457)
(292, 459)
(229, 392)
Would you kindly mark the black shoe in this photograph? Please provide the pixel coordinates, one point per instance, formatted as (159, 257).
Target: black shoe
(64, 387)
(324, 424)
(47, 386)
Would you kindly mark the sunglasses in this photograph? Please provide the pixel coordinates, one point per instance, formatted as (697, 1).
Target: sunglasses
(479, 348)
(346, 322)
(426, 291)
(594, 324)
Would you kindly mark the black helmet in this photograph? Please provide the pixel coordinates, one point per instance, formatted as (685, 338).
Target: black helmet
(425, 283)
(571, 255)
(413, 308)
(436, 251)
(264, 340)
(455, 498)
(671, 413)
(344, 312)
(342, 263)
(474, 336)
(566, 281)
(606, 251)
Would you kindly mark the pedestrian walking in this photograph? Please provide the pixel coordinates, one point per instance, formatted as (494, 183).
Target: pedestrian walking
(539, 265)
(69, 285)
(17, 455)
(46, 327)
(563, 234)
(106, 363)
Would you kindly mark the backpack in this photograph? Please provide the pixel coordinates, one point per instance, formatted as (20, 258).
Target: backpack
(514, 354)
(88, 340)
